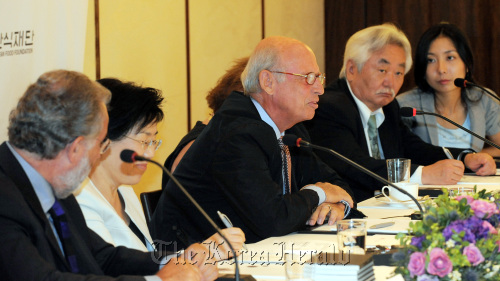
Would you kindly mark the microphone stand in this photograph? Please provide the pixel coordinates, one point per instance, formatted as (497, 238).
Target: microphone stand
(458, 82)
(200, 209)
(459, 126)
(300, 142)
(484, 89)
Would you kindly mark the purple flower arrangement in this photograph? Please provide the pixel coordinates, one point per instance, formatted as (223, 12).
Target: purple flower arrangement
(457, 239)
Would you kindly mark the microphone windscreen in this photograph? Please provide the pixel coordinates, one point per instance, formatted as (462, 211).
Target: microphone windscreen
(407, 111)
(290, 140)
(461, 83)
(128, 156)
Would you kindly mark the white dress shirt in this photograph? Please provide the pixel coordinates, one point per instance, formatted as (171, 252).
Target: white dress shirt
(365, 113)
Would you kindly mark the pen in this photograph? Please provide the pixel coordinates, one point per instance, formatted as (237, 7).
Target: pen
(382, 225)
(228, 224)
(448, 153)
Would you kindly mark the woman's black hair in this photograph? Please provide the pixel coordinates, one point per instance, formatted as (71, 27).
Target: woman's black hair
(458, 39)
(131, 106)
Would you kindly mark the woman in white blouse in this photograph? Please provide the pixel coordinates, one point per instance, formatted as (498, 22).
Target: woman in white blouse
(109, 204)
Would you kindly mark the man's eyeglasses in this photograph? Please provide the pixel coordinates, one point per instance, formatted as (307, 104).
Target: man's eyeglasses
(310, 77)
(105, 143)
(155, 144)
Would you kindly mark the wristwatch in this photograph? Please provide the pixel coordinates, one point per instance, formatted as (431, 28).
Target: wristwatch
(461, 156)
(347, 208)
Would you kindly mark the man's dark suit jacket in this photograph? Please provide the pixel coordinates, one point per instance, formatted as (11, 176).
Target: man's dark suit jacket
(234, 166)
(337, 125)
(29, 249)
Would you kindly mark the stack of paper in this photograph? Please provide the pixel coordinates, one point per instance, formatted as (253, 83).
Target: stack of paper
(342, 267)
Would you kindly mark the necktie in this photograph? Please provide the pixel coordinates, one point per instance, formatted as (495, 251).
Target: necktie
(286, 159)
(373, 136)
(61, 225)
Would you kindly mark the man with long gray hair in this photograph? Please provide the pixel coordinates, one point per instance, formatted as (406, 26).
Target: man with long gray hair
(359, 117)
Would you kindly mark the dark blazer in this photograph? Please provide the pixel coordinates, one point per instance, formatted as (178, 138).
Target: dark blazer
(337, 125)
(29, 249)
(235, 166)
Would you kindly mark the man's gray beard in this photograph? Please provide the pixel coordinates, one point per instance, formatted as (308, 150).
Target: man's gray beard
(71, 180)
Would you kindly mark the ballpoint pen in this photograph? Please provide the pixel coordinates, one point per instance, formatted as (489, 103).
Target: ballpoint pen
(228, 224)
(382, 225)
(448, 153)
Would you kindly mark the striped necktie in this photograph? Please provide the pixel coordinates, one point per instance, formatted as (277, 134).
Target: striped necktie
(373, 136)
(60, 220)
(286, 161)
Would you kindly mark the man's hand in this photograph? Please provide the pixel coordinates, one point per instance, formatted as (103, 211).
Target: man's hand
(197, 255)
(336, 212)
(481, 163)
(219, 249)
(447, 171)
(179, 270)
(334, 193)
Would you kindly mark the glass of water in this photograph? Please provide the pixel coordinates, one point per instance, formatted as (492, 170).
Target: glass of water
(351, 236)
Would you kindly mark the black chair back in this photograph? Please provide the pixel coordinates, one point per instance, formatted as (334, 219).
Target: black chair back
(149, 201)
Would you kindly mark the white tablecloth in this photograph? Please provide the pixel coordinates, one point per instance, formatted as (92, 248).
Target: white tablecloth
(264, 260)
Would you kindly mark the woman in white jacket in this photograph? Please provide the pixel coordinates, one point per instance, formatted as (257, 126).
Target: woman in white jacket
(109, 204)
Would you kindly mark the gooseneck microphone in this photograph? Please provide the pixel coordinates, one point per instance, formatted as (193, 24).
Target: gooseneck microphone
(410, 112)
(462, 83)
(130, 156)
(293, 140)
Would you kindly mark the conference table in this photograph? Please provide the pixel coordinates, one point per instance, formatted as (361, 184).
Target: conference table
(264, 259)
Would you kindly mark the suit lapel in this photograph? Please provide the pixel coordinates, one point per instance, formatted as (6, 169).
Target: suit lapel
(135, 213)
(430, 121)
(390, 146)
(11, 166)
(357, 115)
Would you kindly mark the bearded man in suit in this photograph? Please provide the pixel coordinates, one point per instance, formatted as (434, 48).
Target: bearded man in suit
(56, 132)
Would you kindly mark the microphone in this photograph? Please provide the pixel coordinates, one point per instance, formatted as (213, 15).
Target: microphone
(462, 83)
(130, 156)
(410, 112)
(293, 140)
